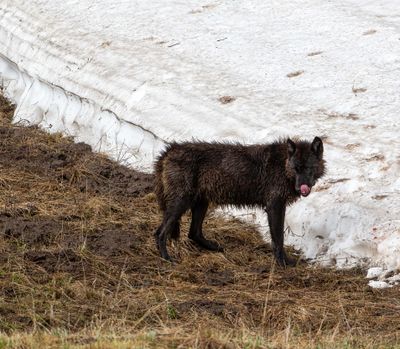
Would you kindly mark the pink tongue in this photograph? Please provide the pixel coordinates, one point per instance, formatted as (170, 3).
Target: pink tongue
(305, 189)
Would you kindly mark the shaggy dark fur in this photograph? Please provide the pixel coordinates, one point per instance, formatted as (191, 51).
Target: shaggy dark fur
(271, 176)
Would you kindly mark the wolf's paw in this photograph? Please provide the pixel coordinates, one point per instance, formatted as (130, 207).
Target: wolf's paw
(287, 262)
(207, 244)
(291, 262)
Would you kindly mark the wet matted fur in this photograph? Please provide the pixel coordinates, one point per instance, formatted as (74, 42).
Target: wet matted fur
(192, 175)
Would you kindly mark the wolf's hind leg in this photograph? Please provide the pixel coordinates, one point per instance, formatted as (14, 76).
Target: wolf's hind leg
(199, 210)
(175, 231)
(170, 227)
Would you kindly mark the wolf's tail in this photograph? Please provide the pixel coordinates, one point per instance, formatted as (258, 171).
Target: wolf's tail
(158, 182)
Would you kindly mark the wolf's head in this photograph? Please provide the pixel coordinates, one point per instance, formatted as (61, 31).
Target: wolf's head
(305, 163)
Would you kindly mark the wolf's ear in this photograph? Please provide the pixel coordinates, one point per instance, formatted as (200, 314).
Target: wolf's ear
(291, 147)
(317, 147)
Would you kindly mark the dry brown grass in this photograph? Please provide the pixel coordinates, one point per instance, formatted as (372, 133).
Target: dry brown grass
(79, 268)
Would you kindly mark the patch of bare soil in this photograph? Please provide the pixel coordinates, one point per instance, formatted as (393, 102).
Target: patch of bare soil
(78, 252)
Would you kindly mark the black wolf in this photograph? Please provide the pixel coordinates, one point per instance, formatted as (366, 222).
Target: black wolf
(270, 176)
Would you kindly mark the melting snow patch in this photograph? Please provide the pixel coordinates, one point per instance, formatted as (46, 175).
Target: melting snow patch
(374, 272)
(378, 284)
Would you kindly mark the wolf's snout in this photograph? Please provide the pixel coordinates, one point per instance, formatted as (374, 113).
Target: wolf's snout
(305, 190)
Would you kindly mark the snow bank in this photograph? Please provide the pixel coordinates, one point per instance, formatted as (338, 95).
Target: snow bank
(127, 76)
(57, 110)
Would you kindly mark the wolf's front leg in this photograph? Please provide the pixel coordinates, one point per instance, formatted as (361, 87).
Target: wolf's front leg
(276, 219)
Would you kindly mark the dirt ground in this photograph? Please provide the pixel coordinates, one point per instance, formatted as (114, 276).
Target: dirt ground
(78, 256)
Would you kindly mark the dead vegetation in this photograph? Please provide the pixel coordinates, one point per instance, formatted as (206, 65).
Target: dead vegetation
(295, 73)
(79, 268)
(357, 90)
(226, 99)
(370, 32)
(315, 53)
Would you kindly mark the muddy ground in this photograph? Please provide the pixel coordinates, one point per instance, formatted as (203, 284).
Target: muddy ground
(77, 252)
